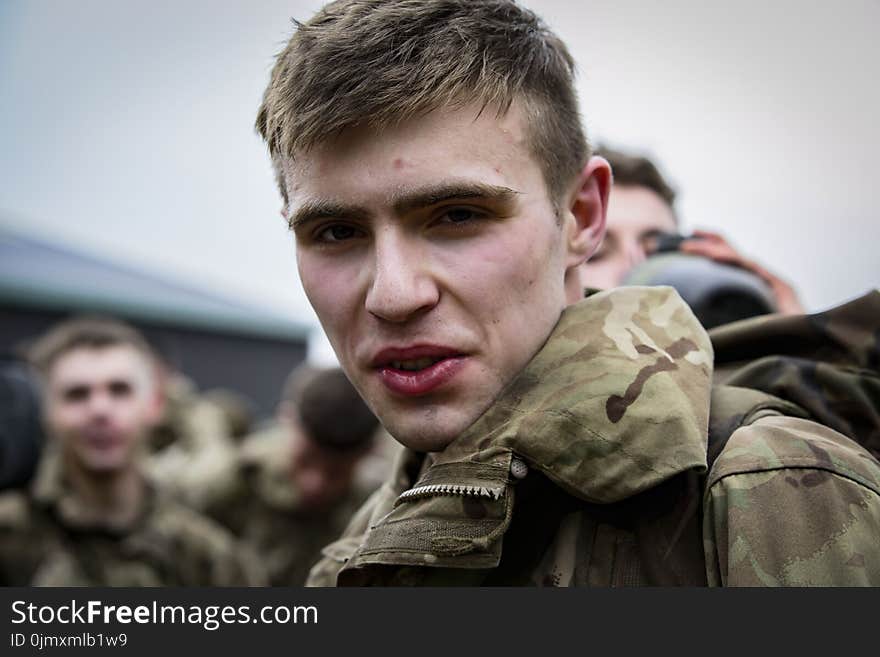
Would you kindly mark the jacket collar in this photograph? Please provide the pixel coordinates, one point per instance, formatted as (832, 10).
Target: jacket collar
(616, 401)
(51, 490)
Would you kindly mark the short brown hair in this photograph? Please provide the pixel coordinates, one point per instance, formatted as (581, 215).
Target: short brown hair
(379, 62)
(634, 170)
(88, 331)
(329, 408)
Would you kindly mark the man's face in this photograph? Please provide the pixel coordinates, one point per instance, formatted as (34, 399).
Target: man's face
(100, 403)
(323, 476)
(636, 215)
(433, 257)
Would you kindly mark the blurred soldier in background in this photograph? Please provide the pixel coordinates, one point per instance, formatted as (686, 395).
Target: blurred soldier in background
(721, 286)
(236, 408)
(193, 446)
(90, 517)
(300, 480)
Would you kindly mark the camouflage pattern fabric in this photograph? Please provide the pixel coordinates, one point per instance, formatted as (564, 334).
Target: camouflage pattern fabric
(590, 470)
(192, 450)
(265, 512)
(793, 503)
(828, 365)
(45, 542)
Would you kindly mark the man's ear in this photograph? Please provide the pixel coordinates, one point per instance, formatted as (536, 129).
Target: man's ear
(158, 379)
(588, 204)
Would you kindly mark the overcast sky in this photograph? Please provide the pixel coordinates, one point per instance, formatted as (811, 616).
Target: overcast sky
(127, 128)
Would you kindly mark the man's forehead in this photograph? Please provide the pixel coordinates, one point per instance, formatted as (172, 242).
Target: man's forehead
(93, 364)
(638, 208)
(408, 139)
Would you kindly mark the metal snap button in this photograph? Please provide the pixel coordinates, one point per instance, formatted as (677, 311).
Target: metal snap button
(518, 469)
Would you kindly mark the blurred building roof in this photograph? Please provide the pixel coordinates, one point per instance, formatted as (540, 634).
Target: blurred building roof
(38, 274)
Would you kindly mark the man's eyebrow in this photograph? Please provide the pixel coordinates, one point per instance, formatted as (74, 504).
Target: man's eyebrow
(311, 211)
(402, 202)
(415, 199)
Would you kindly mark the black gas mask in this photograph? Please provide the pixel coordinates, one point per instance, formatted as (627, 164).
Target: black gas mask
(717, 293)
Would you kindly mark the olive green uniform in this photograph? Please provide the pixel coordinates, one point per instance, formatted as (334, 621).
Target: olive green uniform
(45, 541)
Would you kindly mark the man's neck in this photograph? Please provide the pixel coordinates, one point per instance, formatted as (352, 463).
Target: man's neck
(112, 499)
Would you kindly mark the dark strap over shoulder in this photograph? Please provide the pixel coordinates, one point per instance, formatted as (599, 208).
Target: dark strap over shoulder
(827, 363)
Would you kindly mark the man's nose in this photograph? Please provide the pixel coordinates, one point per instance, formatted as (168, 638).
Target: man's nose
(635, 253)
(100, 404)
(402, 285)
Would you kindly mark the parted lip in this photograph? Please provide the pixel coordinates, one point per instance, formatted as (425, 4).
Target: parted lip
(384, 357)
(102, 438)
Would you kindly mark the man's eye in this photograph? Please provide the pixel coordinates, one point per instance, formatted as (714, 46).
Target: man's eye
(76, 394)
(457, 216)
(338, 233)
(650, 242)
(120, 389)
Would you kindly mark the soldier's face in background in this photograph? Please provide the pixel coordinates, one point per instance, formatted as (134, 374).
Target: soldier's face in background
(100, 403)
(322, 476)
(434, 259)
(636, 215)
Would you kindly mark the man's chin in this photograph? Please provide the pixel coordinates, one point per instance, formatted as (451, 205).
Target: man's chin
(430, 428)
(420, 440)
(104, 464)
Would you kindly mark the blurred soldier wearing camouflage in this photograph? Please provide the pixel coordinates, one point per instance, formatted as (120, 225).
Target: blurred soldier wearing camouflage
(193, 446)
(90, 518)
(436, 176)
(301, 479)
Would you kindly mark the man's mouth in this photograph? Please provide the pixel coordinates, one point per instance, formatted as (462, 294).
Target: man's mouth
(414, 365)
(415, 371)
(101, 439)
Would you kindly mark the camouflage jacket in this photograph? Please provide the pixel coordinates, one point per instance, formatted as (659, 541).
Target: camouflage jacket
(591, 469)
(45, 542)
(263, 509)
(827, 368)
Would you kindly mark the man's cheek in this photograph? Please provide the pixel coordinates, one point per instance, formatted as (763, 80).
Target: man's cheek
(60, 423)
(332, 301)
(324, 285)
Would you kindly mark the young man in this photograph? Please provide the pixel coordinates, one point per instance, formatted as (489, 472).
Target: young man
(440, 187)
(641, 207)
(301, 479)
(90, 517)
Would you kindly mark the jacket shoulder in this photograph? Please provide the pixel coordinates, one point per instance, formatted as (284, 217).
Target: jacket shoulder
(790, 502)
(776, 442)
(209, 554)
(191, 527)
